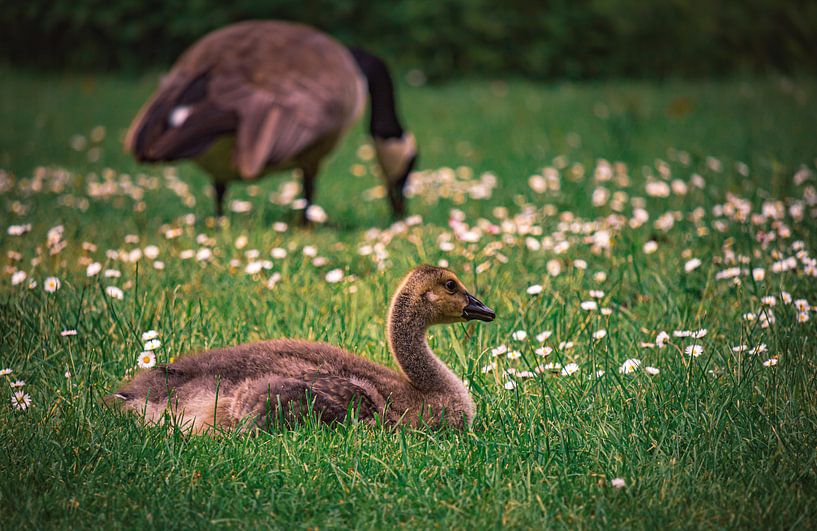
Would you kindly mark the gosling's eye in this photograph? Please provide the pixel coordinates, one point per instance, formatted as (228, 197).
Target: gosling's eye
(451, 286)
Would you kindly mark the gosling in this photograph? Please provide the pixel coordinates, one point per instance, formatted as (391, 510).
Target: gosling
(256, 385)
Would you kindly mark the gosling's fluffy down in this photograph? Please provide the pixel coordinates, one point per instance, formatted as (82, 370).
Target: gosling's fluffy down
(255, 384)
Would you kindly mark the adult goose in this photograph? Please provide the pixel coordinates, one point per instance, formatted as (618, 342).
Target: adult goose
(262, 96)
(254, 385)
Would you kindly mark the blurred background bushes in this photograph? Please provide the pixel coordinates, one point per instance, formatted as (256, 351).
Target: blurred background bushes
(444, 38)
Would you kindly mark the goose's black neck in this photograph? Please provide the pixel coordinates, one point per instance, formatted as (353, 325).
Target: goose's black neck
(383, 122)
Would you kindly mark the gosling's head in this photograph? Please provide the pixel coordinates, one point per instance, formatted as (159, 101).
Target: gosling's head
(440, 297)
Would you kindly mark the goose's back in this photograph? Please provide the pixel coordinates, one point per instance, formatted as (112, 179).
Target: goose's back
(277, 87)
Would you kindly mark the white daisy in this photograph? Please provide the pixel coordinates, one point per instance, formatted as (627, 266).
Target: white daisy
(316, 214)
(152, 252)
(652, 371)
(570, 368)
(771, 362)
(5, 372)
(488, 368)
(334, 276)
(18, 277)
(203, 254)
(273, 280)
(93, 269)
(692, 265)
(20, 400)
(115, 293)
(618, 483)
(498, 351)
(152, 344)
(514, 355)
(535, 289)
(599, 334)
(70, 332)
(510, 385)
(589, 305)
(662, 339)
(147, 360)
(18, 230)
(694, 350)
(16, 384)
(543, 351)
(519, 335)
(552, 367)
(650, 247)
(629, 366)
(759, 349)
(543, 336)
(51, 284)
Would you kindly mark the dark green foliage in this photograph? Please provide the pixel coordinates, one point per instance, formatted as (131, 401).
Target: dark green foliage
(447, 38)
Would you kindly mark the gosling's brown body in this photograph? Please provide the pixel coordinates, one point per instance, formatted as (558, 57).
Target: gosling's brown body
(248, 385)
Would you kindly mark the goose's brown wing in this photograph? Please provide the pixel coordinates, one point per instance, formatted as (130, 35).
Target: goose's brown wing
(279, 87)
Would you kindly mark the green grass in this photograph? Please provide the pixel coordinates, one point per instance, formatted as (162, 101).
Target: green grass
(714, 441)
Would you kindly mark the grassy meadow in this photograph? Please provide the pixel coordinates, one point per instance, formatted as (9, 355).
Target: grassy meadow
(647, 248)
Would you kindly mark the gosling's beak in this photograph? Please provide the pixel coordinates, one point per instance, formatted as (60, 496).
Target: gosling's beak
(476, 310)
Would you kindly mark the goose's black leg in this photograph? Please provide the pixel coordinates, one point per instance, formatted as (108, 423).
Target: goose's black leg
(221, 189)
(309, 172)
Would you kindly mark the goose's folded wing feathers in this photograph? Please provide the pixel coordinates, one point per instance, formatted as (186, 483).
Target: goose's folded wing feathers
(277, 118)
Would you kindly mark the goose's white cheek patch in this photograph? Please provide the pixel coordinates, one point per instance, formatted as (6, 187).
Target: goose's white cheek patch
(179, 115)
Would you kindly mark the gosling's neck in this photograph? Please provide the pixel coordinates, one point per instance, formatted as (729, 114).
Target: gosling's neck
(407, 329)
